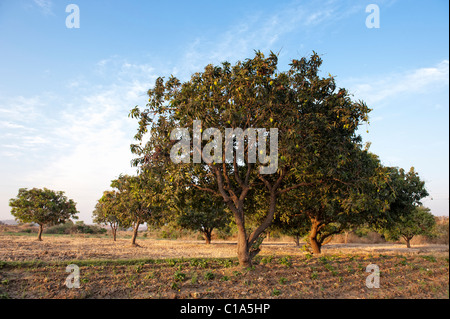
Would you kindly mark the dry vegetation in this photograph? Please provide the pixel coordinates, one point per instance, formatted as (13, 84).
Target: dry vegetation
(191, 269)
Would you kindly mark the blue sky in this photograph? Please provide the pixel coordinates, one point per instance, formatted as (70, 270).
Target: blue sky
(65, 93)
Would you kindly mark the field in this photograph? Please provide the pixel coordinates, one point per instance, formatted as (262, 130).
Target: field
(192, 269)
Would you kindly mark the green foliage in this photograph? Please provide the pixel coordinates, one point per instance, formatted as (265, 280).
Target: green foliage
(179, 276)
(316, 123)
(78, 228)
(209, 275)
(286, 261)
(276, 292)
(419, 221)
(42, 206)
(267, 259)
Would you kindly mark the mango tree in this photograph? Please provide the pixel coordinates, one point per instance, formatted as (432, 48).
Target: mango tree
(138, 200)
(43, 207)
(299, 112)
(108, 211)
(407, 217)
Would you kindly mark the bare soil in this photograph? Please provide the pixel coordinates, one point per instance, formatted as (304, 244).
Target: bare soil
(192, 269)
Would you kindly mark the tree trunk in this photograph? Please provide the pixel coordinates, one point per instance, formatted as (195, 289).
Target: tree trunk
(41, 227)
(297, 240)
(135, 232)
(207, 235)
(243, 250)
(314, 242)
(346, 237)
(114, 231)
(408, 242)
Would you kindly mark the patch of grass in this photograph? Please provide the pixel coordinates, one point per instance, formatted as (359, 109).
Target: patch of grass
(209, 275)
(179, 276)
(331, 269)
(199, 262)
(267, 260)
(138, 268)
(286, 261)
(276, 292)
(226, 263)
(314, 275)
(430, 258)
(171, 262)
(323, 259)
(282, 280)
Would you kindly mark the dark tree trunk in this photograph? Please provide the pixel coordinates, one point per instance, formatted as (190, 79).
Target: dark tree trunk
(135, 232)
(41, 227)
(114, 233)
(314, 242)
(408, 242)
(207, 235)
(297, 240)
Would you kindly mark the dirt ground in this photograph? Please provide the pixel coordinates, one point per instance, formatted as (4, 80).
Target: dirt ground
(20, 248)
(192, 269)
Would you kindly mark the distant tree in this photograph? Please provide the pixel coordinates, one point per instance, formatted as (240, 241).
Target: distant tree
(202, 212)
(108, 211)
(442, 229)
(43, 207)
(297, 227)
(345, 198)
(292, 222)
(420, 221)
(139, 199)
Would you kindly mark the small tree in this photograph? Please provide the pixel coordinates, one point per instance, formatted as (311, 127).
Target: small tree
(107, 211)
(346, 197)
(419, 222)
(204, 213)
(139, 200)
(43, 207)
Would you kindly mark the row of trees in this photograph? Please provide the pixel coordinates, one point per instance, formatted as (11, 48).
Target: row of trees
(326, 181)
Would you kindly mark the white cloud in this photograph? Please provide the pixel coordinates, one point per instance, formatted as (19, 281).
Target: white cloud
(416, 81)
(80, 146)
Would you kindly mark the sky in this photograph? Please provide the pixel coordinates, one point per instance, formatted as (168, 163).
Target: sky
(65, 93)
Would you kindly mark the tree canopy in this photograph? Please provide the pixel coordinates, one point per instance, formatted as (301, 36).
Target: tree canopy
(43, 207)
(316, 124)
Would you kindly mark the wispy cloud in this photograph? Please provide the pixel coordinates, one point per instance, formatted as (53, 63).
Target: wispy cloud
(45, 6)
(415, 81)
(263, 31)
(83, 145)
